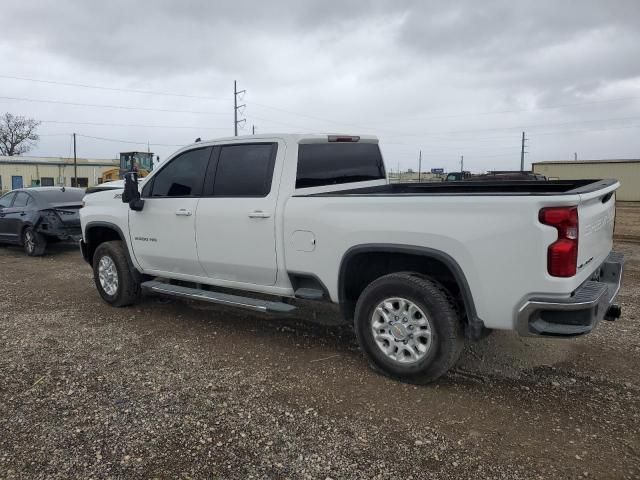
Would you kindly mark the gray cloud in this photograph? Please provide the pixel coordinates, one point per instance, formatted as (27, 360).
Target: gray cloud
(418, 74)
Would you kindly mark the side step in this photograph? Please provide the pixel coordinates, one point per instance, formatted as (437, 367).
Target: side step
(309, 294)
(264, 306)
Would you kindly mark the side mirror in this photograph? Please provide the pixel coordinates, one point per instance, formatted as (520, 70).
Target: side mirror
(131, 195)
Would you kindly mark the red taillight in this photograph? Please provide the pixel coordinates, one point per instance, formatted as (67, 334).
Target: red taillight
(562, 255)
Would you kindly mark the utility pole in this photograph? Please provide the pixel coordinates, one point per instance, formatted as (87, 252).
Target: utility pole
(75, 162)
(522, 152)
(253, 129)
(236, 107)
(420, 166)
(461, 163)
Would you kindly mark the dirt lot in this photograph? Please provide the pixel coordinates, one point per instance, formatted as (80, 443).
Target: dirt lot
(170, 389)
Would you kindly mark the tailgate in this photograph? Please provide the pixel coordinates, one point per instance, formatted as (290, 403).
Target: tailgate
(596, 215)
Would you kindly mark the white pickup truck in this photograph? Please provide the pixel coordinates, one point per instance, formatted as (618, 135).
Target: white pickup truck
(263, 221)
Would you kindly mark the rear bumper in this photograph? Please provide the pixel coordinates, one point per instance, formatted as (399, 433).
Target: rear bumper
(578, 314)
(71, 233)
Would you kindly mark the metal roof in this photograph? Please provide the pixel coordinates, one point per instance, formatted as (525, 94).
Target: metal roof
(25, 160)
(590, 162)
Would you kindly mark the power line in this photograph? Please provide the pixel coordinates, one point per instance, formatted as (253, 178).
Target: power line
(99, 87)
(519, 127)
(500, 112)
(98, 105)
(291, 112)
(131, 141)
(101, 124)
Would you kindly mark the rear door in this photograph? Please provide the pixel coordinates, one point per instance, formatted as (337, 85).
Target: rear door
(5, 208)
(235, 221)
(162, 234)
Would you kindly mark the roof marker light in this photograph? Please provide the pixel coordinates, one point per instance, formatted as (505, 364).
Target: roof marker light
(343, 138)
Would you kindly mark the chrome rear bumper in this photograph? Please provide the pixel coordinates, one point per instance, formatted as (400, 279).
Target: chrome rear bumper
(579, 313)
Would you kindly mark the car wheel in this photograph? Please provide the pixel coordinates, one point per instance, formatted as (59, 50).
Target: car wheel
(409, 327)
(117, 284)
(34, 243)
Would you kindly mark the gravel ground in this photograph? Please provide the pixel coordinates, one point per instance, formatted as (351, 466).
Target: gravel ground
(170, 389)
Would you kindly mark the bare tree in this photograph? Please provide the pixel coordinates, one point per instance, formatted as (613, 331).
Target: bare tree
(17, 134)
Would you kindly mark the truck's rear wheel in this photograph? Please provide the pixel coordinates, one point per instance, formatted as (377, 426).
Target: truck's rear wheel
(116, 283)
(409, 327)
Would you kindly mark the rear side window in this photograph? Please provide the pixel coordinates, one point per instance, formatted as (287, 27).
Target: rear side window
(334, 163)
(183, 176)
(5, 202)
(22, 200)
(245, 170)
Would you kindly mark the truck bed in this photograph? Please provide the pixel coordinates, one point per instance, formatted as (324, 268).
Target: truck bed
(484, 188)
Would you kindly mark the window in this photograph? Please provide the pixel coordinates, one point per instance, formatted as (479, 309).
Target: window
(82, 182)
(22, 200)
(5, 201)
(334, 163)
(181, 177)
(46, 181)
(245, 170)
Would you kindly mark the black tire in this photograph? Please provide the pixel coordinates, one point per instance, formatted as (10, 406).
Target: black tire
(447, 339)
(127, 291)
(34, 243)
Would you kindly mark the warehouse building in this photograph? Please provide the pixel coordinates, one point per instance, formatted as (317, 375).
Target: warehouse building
(21, 171)
(626, 171)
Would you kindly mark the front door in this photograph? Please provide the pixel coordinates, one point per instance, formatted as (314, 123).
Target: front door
(235, 220)
(162, 234)
(16, 182)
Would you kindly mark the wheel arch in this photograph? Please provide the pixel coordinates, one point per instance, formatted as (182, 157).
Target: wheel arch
(362, 264)
(99, 232)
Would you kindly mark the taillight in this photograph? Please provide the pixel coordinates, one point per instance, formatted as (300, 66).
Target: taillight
(562, 255)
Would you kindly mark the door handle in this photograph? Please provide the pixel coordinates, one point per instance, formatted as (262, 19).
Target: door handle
(259, 214)
(183, 212)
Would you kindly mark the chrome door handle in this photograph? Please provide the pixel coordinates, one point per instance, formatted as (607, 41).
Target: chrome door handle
(183, 212)
(259, 214)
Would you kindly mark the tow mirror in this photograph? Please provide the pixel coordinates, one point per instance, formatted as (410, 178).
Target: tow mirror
(131, 195)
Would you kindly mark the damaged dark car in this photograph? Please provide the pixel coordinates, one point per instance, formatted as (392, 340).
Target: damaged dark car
(34, 217)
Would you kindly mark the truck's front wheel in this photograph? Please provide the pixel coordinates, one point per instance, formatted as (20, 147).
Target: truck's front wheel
(409, 327)
(117, 284)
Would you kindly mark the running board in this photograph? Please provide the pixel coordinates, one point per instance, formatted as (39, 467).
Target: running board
(264, 306)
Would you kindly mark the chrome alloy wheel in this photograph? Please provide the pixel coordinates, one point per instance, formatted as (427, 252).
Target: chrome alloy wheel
(30, 241)
(401, 330)
(108, 275)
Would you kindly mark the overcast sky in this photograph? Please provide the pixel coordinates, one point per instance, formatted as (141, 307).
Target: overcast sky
(450, 78)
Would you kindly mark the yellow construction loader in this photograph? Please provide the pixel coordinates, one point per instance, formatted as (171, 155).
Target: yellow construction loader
(141, 162)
